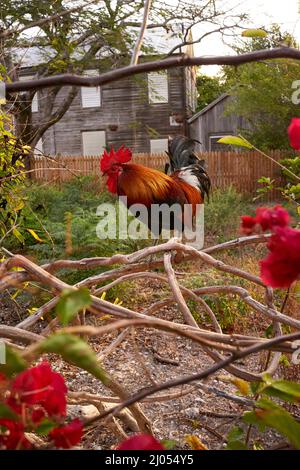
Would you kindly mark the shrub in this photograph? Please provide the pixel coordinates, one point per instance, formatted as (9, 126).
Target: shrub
(222, 213)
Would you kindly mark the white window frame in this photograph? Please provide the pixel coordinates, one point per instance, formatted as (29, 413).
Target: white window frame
(153, 91)
(99, 149)
(87, 92)
(215, 136)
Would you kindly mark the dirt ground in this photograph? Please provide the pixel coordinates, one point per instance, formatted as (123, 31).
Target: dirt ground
(146, 357)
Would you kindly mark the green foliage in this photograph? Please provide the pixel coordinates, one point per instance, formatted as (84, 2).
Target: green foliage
(71, 302)
(268, 413)
(11, 179)
(45, 427)
(14, 363)
(74, 350)
(236, 141)
(6, 412)
(208, 88)
(222, 213)
(283, 389)
(46, 210)
(234, 441)
(227, 310)
(262, 92)
(292, 188)
(266, 185)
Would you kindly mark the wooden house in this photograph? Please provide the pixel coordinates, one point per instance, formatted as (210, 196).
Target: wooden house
(139, 112)
(213, 122)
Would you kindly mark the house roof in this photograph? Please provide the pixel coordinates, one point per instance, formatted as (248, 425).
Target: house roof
(208, 107)
(160, 41)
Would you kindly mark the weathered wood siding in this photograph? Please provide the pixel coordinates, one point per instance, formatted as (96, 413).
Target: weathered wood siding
(215, 121)
(124, 103)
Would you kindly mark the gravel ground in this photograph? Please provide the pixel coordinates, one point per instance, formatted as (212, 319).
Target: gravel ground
(134, 364)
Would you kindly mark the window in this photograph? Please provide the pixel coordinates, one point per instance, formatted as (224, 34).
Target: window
(91, 96)
(93, 142)
(35, 101)
(214, 146)
(158, 87)
(158, 145)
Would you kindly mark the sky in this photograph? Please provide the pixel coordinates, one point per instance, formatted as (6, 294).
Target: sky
(262, 13)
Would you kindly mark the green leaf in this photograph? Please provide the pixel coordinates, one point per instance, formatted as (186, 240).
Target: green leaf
(234, 439)
(265, 179)
(250, 417)
(168, 444)
(45, 427)
(235, 433)
(234, 140)
(255, 387)
(76, 351)
(274, 416)
(254, 33)
(236, 445)
(284, 389)
(284, 360)
(14, 363)
(18, 235)
(71, 302)
(7, 412)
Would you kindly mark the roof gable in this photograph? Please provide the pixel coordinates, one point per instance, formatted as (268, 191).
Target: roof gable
(208, 107)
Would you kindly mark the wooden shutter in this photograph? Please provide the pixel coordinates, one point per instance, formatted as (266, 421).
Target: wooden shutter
(93, 142)
(158, 87)
(91, 96)
(158, 145)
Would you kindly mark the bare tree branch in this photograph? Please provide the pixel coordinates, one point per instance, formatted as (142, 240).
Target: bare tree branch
(171, 62)
(11, 32)
(238, 354)
(139, 41)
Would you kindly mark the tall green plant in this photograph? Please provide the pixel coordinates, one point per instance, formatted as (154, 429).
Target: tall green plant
(12, 178)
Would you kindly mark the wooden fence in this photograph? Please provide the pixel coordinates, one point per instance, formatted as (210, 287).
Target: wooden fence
(241, 170)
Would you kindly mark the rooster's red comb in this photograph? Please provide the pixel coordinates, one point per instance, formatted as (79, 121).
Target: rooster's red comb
(122, 155)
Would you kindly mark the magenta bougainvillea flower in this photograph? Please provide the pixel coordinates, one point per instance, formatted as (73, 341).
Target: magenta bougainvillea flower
(40, 385)
(12, 435)
(67, 436)
(140, 442)
(266, 218)
(294, 133)
(282, 265)
(34, 395)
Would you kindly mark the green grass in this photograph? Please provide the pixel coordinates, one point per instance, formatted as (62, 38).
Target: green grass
(48, 210)
(59, 214)
(222, 213)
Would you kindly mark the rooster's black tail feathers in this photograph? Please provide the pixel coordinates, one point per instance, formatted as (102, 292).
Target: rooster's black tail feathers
(181, 152)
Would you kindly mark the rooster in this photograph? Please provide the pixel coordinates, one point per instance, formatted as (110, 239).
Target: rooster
(188, 182)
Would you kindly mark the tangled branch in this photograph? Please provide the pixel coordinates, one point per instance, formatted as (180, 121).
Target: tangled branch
(224, 349)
